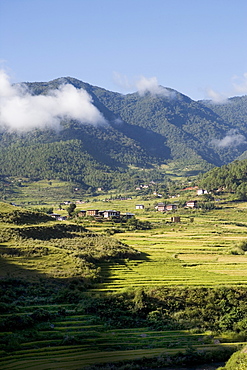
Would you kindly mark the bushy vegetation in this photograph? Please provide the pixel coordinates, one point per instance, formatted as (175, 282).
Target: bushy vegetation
(238, 361)
(20, 216)
(64, 285)
(231, 177)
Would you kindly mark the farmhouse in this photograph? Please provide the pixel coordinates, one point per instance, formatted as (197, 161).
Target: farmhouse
(92, 212)
(139, 206)
(191, 204)
(201, 191)
(171, 207)
(161, 207)
(110, 213)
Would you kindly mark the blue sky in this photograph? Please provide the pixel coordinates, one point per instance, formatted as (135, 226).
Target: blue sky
(197, 47)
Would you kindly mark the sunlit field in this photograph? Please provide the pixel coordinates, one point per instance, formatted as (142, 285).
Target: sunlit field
(202, 250)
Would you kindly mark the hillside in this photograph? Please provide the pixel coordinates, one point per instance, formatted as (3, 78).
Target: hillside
(136, 132)
(231, 177)
(233, 111)
(73, 297)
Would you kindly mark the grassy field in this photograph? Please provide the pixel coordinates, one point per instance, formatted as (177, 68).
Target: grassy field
(202, 253)
(56, 348)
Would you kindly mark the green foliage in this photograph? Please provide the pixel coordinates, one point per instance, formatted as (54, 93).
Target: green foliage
(143, 132)
(238, 361)
(18, 216)
(243, 245)
(231, 177)
(135, 224)
(71, 209)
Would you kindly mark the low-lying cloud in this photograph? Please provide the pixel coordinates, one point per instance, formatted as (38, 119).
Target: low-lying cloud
(238, 87)
(233, 139)
(215, 96)
(21, 111)
(240, 84)
(142, 84)
(150, 85)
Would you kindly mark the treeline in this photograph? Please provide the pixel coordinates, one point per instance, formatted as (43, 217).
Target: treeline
(84, 161)
(231, 177)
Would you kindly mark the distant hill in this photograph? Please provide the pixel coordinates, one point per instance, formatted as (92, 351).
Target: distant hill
(233, 111)
(142, 132)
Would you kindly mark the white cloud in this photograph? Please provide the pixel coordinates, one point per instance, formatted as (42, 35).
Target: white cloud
(233, 138)
(21, 111)
(150, 85)
(142, 85)
(240, 84)
(215, 96)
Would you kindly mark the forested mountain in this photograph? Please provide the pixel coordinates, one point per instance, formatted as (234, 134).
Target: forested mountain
(142, 131)
(233, 111)
(231, 177)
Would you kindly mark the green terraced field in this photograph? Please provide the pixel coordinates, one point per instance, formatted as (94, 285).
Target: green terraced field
(203, 253)
(100, 345)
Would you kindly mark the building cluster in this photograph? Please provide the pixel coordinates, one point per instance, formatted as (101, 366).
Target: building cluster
(160, 207)
(95, 213)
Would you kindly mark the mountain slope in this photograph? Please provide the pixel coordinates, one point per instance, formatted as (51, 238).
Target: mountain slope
(144, 131)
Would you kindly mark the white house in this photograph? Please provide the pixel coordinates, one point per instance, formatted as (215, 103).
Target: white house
(139, 206)
(201, 192)
(111, 213)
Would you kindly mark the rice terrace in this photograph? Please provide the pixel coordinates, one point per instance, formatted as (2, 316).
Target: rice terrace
(139, 293)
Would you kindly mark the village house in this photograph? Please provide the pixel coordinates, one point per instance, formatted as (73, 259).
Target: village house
(92, 212)
(191, 204)
(111, 213)
(201, 191)
(139, 206)
(171, 207)
(161, 207)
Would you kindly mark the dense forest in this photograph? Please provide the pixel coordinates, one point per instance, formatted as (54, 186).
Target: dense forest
(231, 177)
(141, 132)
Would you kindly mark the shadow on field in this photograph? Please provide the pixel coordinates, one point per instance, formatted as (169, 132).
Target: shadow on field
(9, 270)
(31, 284)
(107, 267)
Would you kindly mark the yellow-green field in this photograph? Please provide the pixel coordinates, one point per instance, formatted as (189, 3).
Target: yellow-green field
(203, 250)
(201, 253)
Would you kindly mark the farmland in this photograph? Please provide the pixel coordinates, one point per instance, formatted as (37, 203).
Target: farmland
(173, 292)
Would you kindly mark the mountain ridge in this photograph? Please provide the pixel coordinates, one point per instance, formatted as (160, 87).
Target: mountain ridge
(141, 130)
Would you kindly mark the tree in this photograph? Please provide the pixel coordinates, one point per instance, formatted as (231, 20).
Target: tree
(71, 209)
